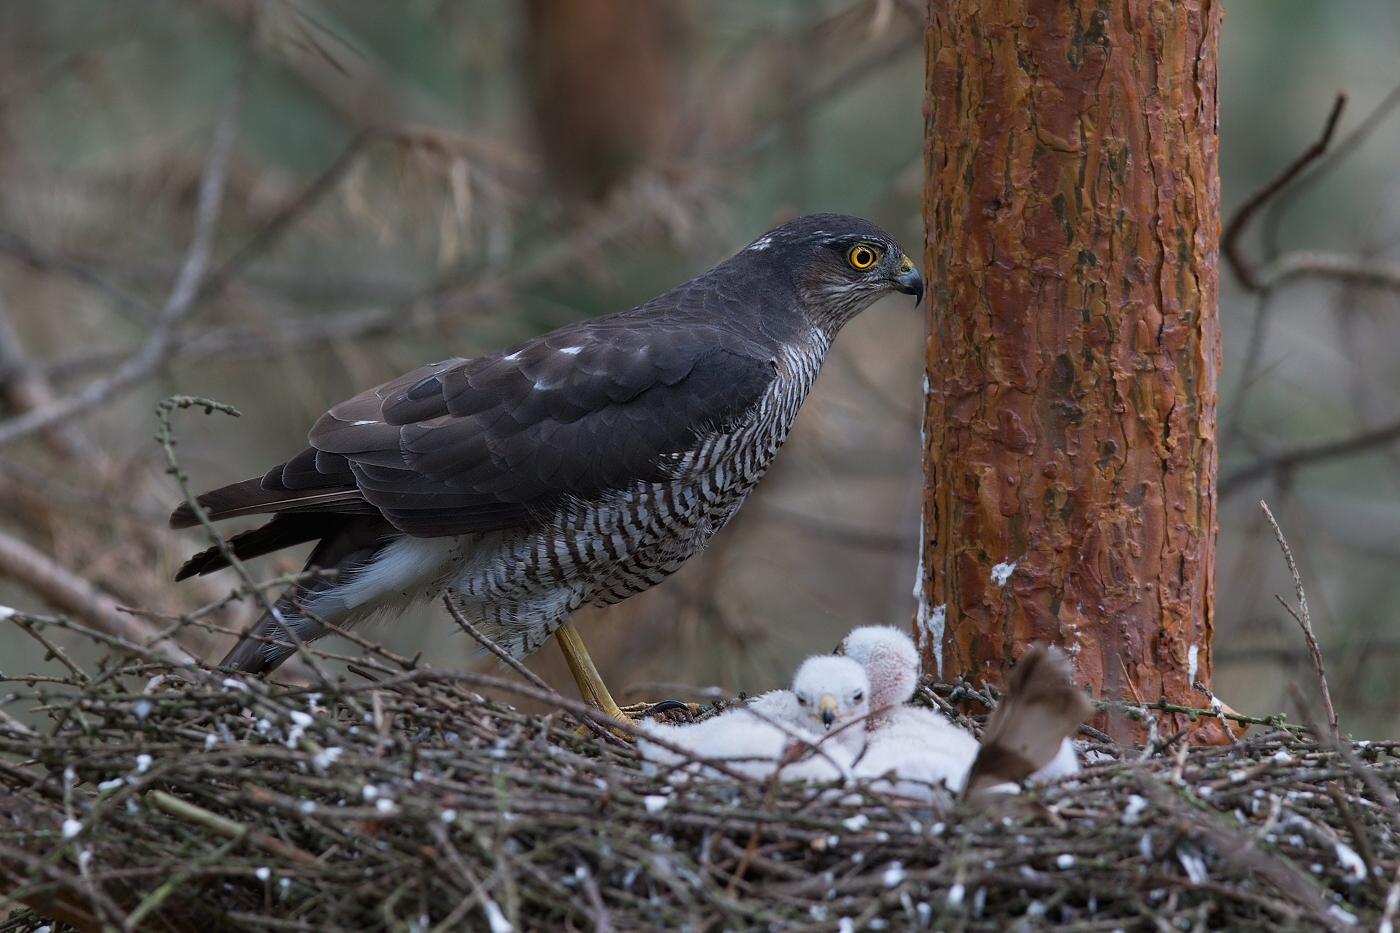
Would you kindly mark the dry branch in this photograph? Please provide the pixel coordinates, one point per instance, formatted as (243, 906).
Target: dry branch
(68, 592)
(1285, 461)
(181, 299)
(1230, 237)
(1304, 620)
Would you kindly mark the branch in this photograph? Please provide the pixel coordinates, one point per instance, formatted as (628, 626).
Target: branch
(1325, 265)
(1286, 460)
(31, 255)
(1304, 619)
(1245, 271)
(299, 205)
(25, 388)
(1345, 147)
(182, 296)
(70, 593)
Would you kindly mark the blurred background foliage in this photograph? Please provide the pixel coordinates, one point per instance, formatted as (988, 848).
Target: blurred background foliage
(429, 178)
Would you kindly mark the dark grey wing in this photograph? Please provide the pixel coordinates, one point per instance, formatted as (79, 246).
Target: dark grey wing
(477, 445)
(311, 481)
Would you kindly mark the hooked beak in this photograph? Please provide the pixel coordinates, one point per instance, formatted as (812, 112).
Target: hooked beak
(827, 705)
(909, 281)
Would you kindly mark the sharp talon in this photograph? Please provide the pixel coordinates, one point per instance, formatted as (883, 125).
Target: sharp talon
(666, 706)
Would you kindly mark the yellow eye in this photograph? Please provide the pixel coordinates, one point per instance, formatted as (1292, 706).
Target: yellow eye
(862, 256)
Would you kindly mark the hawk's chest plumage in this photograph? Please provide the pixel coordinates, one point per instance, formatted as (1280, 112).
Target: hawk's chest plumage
(603, 551)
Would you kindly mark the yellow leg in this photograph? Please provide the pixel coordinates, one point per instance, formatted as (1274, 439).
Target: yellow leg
(590, 685)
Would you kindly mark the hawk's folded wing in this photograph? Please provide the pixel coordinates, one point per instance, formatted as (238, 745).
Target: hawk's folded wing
(493, 442)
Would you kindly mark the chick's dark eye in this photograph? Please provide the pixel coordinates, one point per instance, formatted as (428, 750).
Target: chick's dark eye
(858, 697)
(862, 257)
(802, 701)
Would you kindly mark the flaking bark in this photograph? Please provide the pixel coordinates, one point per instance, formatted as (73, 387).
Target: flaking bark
(1072, 210)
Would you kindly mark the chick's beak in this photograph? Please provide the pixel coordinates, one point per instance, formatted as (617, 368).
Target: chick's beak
(908, 280)
(827, 705)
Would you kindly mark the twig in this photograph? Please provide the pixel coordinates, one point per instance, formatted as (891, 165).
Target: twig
(289, 213)
(1230, 239)
(1345, 146)
(1161, 705)
(181, 300)
(1392, 904)
(1287, 460)
(183, 809)
(1304, 620)
(601, 922)
(32, 255)
(166, 438)
(1358, 834)
(491, 645)
(70, 593)
(598, 724)
(25, 387)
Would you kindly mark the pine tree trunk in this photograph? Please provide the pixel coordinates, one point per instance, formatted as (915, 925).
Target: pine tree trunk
(1072, 217)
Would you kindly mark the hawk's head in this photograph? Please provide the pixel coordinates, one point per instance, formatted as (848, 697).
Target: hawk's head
(839, 263)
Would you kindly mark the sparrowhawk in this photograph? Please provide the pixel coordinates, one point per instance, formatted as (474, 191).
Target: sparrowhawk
(580, 466)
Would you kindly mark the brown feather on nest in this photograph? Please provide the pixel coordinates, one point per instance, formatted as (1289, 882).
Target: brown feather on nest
(1039, 708)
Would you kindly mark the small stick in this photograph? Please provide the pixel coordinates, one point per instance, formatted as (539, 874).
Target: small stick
(601, 922)
(491, 646)
(1392, 903)
(1304, 620)
(597, 725)
(1230, 238)
(1358, 835)
(1383, 794)
(183, 809)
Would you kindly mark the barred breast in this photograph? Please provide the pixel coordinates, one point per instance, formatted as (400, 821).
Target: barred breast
(602, 552)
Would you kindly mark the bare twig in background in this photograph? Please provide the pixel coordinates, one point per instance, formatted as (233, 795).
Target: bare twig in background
(131, 307)
(1248, 274)
(1305, 621)
(165, 436)
(68, 592)
(25, 388)
(288, 214)
(182, 296)
(1343, 148)
(1282, 462)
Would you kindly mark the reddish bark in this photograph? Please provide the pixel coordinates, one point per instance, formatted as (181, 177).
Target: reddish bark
(1072, 210)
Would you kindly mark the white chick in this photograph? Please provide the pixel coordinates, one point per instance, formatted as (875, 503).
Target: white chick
(921, 748)
(822, 738)
(832, 695)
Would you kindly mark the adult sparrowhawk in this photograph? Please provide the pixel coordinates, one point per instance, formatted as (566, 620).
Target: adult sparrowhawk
(580, 466)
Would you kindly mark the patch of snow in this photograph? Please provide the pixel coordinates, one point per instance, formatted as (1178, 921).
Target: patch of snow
(1351, 861)
(495, 918)
(1195, 866)
(1133, 811)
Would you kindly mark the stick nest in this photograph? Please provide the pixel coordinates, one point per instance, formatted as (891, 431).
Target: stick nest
(183, 799)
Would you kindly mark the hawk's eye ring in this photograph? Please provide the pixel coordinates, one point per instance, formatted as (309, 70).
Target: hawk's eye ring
(862, 257)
